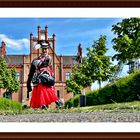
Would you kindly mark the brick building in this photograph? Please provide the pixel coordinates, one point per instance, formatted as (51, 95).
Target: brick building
(61, 66)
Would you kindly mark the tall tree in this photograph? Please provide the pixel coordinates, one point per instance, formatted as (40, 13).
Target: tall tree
(95, 66)
(127, 40)
(100, 67)
(8, 79)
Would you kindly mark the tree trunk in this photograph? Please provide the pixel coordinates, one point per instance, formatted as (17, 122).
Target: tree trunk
(99, 81)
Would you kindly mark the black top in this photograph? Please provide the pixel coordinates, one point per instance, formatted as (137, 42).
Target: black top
(37, 63)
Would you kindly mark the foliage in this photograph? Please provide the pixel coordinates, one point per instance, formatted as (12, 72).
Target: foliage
(78, 79)
(3, 74)
(91, 98)
(96, 66)
(14, 82)
(126, 89)
(72, 102)
(100, 67)
(8, 78)
(74, 85)
(127, 40)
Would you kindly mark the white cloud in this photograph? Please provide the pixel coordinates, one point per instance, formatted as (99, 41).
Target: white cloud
(14, 44)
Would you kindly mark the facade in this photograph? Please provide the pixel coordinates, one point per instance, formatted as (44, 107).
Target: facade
(61, 66)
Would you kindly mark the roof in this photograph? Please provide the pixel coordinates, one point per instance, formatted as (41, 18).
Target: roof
(15, 65)
(18, 59)
(14, 59)
(68, 60)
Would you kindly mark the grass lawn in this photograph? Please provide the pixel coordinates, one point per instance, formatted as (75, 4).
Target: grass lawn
(8, 107)
(114, 107)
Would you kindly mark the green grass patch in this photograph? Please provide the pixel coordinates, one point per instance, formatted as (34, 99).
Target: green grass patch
(114, 107)
(126, 107)
(9, 107)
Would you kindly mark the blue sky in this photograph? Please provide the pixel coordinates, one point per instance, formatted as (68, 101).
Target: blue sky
(69, 33)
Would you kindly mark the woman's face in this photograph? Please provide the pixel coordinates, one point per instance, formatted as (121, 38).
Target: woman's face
(45, 50)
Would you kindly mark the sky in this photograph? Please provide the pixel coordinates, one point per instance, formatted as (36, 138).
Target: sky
(69, 33)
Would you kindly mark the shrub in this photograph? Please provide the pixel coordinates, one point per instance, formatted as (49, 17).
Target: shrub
(125, 89)
(68, 104)
(7, 105)
(75, 100)
(91, 98)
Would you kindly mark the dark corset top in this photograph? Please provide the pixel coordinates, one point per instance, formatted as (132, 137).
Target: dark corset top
(41, 62)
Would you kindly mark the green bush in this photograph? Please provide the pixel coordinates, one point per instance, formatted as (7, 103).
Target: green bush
(75, 100)
(91, 98)
(68, 104)
(10, 106)
(126, 89)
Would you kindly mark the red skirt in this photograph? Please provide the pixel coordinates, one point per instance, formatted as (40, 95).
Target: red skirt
(42, 95)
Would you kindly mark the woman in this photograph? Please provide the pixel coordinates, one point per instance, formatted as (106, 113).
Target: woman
(43, 92)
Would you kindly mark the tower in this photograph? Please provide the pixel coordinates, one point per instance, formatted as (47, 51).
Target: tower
(2, 50)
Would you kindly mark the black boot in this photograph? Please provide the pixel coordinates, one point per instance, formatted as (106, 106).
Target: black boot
(59, 104)
(44, 107)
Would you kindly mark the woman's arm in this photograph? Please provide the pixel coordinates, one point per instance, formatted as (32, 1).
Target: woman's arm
(30, 76)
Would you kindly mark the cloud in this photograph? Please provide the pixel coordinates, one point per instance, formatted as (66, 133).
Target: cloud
(19, 44)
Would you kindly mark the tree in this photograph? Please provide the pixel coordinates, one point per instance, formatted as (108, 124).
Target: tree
(127, 40)
(14, 85)
(99, 66)
(8, 79)
(95, 66)
(78, 80)
(3, 74)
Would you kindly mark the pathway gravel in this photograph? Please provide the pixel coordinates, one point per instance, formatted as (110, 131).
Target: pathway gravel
(74, 117)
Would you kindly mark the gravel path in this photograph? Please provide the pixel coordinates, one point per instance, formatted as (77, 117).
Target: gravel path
(74, 117)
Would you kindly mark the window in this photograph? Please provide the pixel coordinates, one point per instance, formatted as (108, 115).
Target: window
(58, 93)
(18, 76)
(67, 75)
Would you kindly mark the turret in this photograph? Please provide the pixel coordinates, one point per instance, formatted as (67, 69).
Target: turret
(2, 50)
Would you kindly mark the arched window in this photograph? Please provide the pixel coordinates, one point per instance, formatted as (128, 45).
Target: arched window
(18, 76)
(67, 75)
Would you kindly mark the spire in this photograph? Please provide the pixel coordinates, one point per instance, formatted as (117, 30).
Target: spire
(46, 33)
(2, 49)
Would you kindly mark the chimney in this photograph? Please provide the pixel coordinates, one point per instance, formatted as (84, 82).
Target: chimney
(2, 49)
(31, 42)
(39, 34)
(80, 50)
(79, 54)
